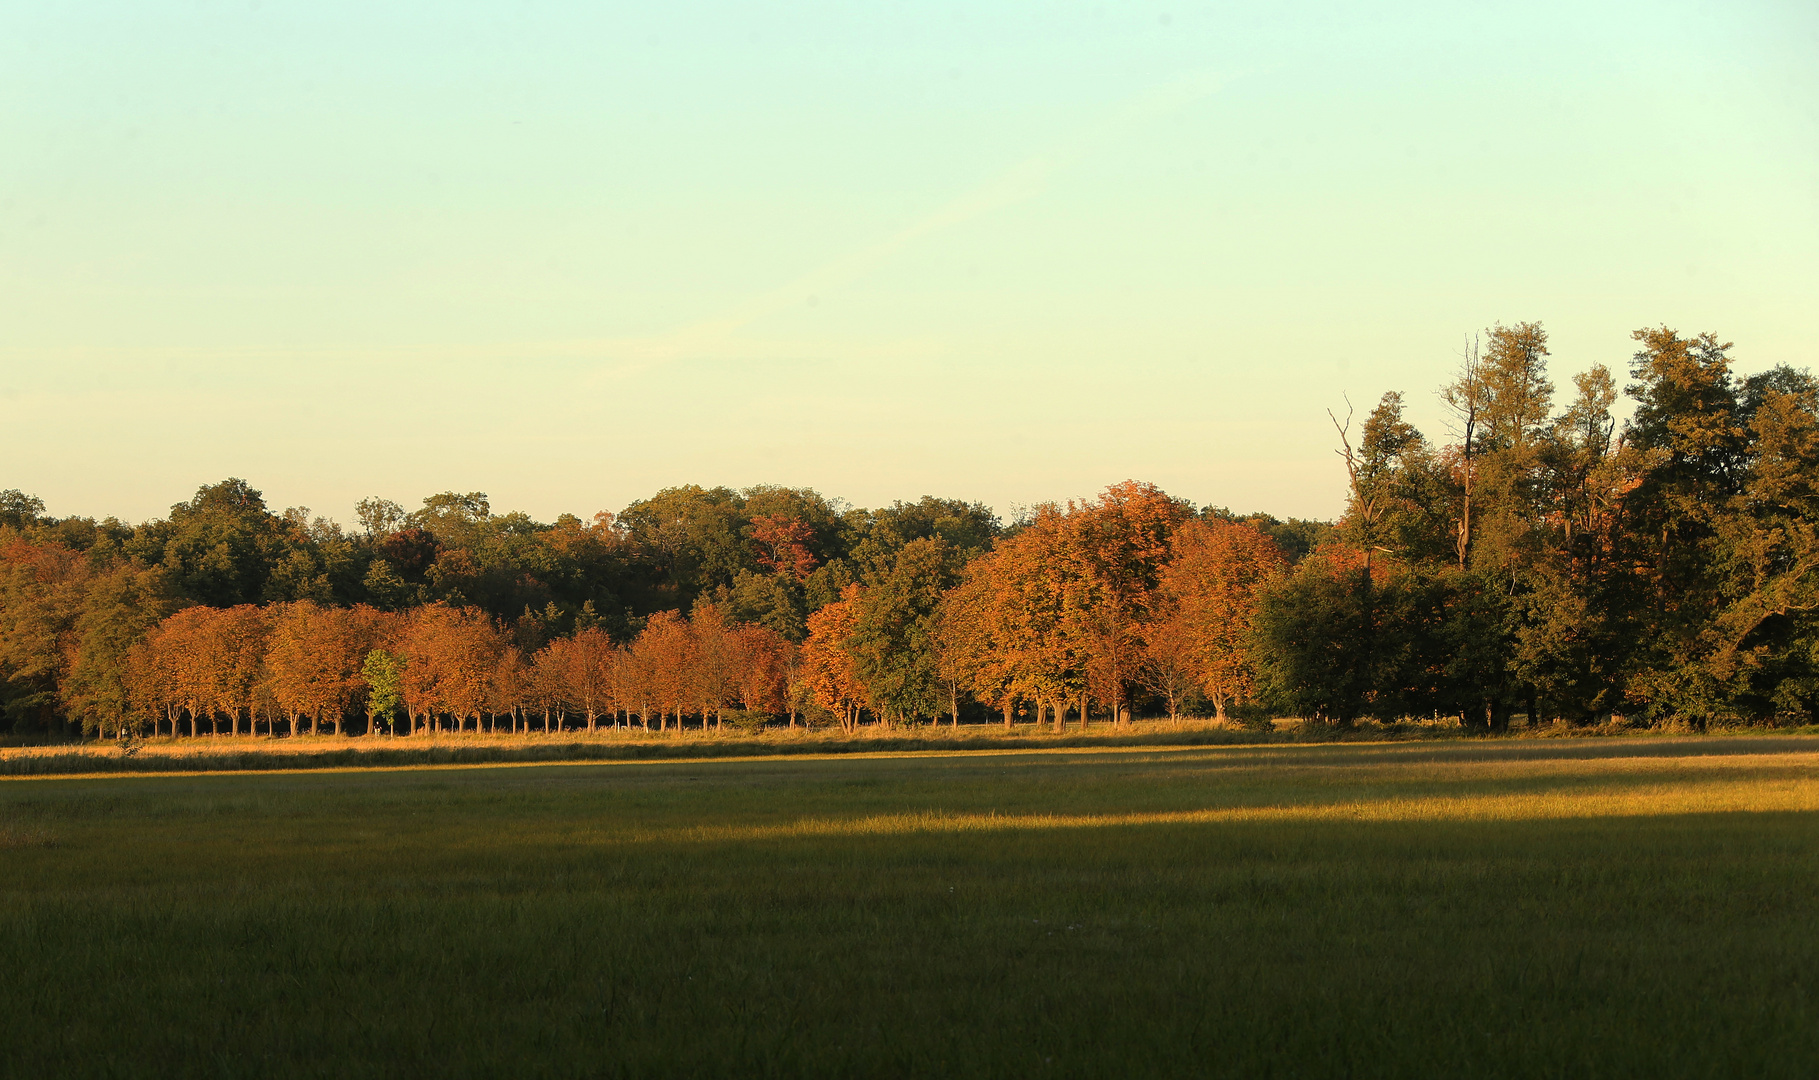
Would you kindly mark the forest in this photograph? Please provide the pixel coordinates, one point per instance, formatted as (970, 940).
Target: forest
(1553, 565)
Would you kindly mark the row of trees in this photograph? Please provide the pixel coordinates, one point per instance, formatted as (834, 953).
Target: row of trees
(1534, 563)
(300, 666)
(1065, 614)
(1077, 610)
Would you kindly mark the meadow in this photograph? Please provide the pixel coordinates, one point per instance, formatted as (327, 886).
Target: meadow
(1613, 907)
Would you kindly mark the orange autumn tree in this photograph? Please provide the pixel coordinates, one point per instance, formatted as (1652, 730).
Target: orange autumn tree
(665, 652)
(450, 655)
(176, 680)
(828, 667)
(1123, 539)
(714, 674)
(1011, 628)
(1041, 596)
(315, 656)
(1209, 593)
(303, 674)
(765, 659)
(510, 687)
(546, 686)
(1171, 667)
(1057, 613)
(969, 654)
(582, 667)
(231, 663)
(1030, 606)
(780, 545)
(41, 592)
(632, 686)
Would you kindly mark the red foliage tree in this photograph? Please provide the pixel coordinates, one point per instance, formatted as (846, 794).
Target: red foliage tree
(780, 545)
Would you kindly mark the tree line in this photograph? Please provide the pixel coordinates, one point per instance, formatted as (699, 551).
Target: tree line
(1538, 563)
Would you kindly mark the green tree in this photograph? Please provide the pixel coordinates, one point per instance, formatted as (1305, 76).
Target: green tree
(968, 528)
(120, 608)
(383, 674)
(688, 540)
(893, 640)
(19, 510)
(454, 519)
(221, 546)
(1317, 643)
(1692, 457)
(775, 601)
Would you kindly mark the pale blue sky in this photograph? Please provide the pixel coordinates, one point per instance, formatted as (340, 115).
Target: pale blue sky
(569, 254)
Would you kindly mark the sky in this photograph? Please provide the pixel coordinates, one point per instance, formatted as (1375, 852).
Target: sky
(569, 254)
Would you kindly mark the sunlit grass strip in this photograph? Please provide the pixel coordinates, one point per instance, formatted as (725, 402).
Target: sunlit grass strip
(1798, 796)
(229, 754)
(1439, 757)
(246, 755)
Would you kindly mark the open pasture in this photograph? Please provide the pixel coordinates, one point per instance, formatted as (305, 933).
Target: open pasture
(1613, 908)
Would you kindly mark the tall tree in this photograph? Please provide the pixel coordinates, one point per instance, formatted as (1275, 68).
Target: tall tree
(103, 688)
(42, 589)
(892, 641)
(1124, 541)
(714, 670)
(970, 652)
(587, 672)
(1211, 584)
(220, 547)
(665, 650)
(764, 660)
(829, 667)
(450, 655)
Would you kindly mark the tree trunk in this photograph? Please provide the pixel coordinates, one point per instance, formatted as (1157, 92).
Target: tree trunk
(1009, 704)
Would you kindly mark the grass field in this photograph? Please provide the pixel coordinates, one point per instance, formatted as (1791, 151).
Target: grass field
(1558, 908)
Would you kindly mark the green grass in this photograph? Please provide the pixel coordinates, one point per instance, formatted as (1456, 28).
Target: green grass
(1568, 908)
